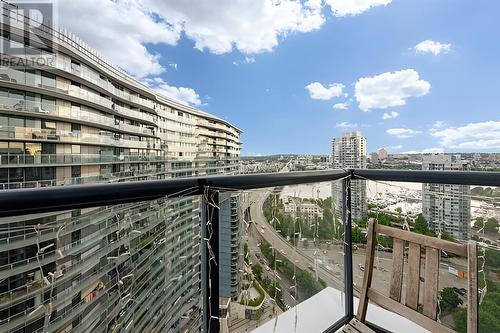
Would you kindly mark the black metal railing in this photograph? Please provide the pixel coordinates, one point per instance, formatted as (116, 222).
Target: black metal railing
(51, 199)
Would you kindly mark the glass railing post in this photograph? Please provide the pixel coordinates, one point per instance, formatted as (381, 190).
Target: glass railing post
(210, 259)
(347, 220)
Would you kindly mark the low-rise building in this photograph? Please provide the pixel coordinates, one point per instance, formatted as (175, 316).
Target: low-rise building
(295, 207)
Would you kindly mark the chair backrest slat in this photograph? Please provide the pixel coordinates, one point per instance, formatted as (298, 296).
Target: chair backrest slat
(398, 248)
(404, 311)
(433, 247)
(413, 277)
(367, 279)
(431, 280)
(472, 303)
(440, 244)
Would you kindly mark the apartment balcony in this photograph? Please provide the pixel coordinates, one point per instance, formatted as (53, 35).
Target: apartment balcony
(26, 160)
(89, 179)
(328, 310)
(84, 115)
(134, 114)
(61, 136)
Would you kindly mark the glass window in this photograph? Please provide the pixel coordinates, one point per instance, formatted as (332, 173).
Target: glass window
(4, 121)
(48, 80)
(48, 103)
(16, 94)
(76, 127)
(4, 147)
(33, 77)
(4, 176)
(16, 75)
(4, 73)
(76, 171)
(48, 148)
(16, 121)
(75, 67)
(48, 173)
(33, 101)
(16, 175)
(16, 148)
(33, 123)
(32, 174)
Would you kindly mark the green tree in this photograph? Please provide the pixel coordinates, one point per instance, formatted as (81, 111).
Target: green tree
(447, 236)
(491, 226)
(449, 299)
(492, 258)
(361, 223)
(384, 241)
(357, 236)
(257, 271)
(421, 227)
(479, 223)
(307, 283)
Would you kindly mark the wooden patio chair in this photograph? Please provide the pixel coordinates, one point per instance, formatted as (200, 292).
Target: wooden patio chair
(428, 317)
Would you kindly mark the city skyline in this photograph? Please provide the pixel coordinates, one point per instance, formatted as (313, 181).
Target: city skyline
(126, 204)
(323, 50)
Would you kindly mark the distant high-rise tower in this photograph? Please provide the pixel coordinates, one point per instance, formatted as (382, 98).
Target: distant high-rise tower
(446, 207)
(349, 152)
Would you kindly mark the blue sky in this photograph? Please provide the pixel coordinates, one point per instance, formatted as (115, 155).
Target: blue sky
(451, 100)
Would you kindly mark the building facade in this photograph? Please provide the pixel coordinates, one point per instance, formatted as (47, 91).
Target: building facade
(76, 119)
(447, 207)
(295, 207)
(382, 153)
(230, 247)
(374, 159)
(349, 151)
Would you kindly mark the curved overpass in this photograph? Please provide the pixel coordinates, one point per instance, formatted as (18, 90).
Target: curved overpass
(254, 206)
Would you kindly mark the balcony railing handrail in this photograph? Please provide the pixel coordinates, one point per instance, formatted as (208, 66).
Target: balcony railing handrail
(38, 200)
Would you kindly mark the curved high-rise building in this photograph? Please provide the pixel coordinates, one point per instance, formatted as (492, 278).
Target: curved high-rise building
(72, 118)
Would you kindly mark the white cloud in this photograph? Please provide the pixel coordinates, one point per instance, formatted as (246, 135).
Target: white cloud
(121, 29)
(482, 135)
(318, 91)
(430, 46)
(389, 115)
(246, 60)
(395, 147)
(389, 89)
(434, 150)
(346, 125)
(438, 124)
(402, 133)
(353, 7)
(340, 106)
(251, 26)
(182, 94)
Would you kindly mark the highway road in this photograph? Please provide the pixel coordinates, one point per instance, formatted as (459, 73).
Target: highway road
(333, 277)
(285, 283)
(255, 201)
